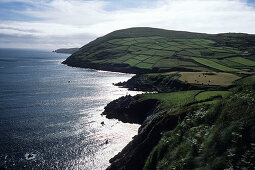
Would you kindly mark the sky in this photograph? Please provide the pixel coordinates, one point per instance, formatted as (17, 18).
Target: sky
(52, 24)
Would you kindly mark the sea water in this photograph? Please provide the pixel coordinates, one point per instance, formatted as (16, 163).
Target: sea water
(50, 114)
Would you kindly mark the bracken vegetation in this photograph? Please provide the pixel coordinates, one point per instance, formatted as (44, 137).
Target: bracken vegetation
(218, 137)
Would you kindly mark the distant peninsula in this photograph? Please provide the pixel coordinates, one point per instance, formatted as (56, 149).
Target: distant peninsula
(66, 50)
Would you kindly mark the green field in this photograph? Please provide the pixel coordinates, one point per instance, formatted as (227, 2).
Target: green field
(209, 94)
(174, 99)
(167, 63)
(142, 57)
(144, 65)
(214, 65)
(243, 61)
(152, 59)
(132, 62)
(227, 62)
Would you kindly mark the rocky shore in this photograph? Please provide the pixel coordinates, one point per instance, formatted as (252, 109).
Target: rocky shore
(123, 68)
(153, 122)
(129, 109)
(163, 83)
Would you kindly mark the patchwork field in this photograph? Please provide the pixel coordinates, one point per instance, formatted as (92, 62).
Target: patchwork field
(209, 78)
(148, 48)
(212, 64)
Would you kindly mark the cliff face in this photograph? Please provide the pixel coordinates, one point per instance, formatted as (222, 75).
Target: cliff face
(130, 109)
(208, 136)
(219, 137)
(215, 134)
(134, 155)
(163, 83)
(116, 67)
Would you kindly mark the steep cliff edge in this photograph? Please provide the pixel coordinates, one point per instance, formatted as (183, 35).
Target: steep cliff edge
(130, 109)
(188, 133)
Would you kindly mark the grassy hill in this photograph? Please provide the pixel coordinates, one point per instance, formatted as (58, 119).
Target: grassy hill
(190, 129)
(201, 114)
(156, 50)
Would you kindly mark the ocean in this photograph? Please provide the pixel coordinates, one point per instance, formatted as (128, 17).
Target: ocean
(50, 113)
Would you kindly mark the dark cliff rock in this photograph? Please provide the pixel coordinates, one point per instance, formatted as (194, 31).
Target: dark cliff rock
(159, 83)
(123, 68)
(116, 67)
(134, 155)
(154, 121)
(163, 83)
(130, 109)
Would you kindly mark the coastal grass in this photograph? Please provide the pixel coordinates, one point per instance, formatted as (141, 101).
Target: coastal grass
(210, 102)
(217, 137)
(209, 94)
(246, 82)
(174, 99)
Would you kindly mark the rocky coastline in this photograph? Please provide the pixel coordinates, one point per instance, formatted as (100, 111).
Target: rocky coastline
(153, 122)
(130, 109)
(163, 83)
(186, 124)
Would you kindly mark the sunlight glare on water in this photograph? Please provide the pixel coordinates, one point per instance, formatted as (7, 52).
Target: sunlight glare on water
(50, 114)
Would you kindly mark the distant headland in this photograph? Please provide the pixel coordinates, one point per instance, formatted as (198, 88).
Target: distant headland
(66, 50)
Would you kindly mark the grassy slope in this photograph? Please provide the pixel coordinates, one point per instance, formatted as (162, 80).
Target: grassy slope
(184, 98)
(217, 137)
(195, 130)
(157, 49)
(174, 99)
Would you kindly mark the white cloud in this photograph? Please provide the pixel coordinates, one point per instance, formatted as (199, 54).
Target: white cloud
(62, 18)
